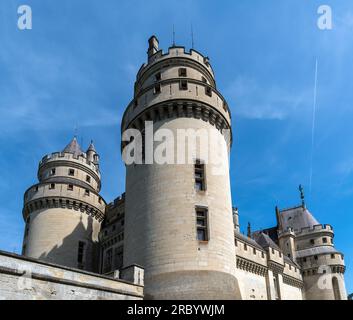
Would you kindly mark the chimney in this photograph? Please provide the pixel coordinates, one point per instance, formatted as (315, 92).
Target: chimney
(152, 46)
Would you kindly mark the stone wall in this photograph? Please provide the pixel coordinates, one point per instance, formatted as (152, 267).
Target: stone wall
(23, 278)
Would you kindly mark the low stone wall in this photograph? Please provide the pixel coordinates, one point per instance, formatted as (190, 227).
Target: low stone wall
(23, 278)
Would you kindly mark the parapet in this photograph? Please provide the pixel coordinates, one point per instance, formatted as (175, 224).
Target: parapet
(81, 159)
(176, 52)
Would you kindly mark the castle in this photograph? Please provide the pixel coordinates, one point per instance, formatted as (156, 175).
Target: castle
(174, 229)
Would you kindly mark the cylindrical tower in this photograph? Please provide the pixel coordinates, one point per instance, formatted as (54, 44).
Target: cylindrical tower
(178, 220)
(63, 212)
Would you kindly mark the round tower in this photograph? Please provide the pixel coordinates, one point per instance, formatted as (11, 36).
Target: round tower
(64, 210)
(178, 222)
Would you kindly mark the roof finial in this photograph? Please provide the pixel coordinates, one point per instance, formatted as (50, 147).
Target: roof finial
(249, 230)
(75, 130)
(173, 36)
(301, 189)
(192, 37)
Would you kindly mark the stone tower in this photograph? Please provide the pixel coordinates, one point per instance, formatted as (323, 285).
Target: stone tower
(178, 220)
(311, 245)
(64, 210)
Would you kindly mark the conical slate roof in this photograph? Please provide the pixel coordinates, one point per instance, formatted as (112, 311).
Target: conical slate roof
(91, 147)
(74, 148)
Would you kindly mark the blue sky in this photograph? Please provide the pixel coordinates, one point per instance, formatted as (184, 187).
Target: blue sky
(77, 67)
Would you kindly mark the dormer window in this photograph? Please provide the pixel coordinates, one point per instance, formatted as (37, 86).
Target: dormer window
(182, 72)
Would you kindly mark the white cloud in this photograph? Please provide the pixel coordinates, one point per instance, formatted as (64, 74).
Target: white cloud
(249, 99)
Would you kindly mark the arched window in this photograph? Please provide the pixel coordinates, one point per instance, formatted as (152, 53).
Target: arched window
(336, 289)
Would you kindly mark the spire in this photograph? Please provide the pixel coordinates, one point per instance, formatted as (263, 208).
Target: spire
(301, 190)
(73, 147)
(92, 154)
(279, 224)
(91, 147)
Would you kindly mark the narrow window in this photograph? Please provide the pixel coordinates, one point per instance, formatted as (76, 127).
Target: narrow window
(245, 247)
(200, 181)
(201, 224)
(273, 251)
(204, 80)
(158, 76)
(312, 241)
(182, 72)
(108, 260)
(324, 240)
(332, 256)
(52, 172)
(70, 187)
(157, 88)
(254, 251)
(36, 188)
(87, 192)
(52, 186)
(135, 103)
(262, 255)
(304, 259)
(80, 253)
(118, 258)
(208, 91)
(99, 199)
(315, 257)
(71, 172)
(88, 178)
(236, 242)
(183, 85)
(280, 254)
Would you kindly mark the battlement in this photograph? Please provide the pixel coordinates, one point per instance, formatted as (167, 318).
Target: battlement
(39, 196)
(308, 230)
(176, 52)
(57, 156)
(316, 228)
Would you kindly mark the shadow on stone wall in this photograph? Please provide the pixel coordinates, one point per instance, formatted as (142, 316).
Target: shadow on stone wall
(67, 253)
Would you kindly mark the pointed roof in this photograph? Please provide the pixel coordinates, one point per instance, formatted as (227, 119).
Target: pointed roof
(265, 241)
(73, 147)
(91, 147)
(297, 218)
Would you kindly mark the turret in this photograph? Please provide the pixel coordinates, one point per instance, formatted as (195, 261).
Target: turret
(64, 210)
(178, 214)
(310, 244)
(152, 46)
